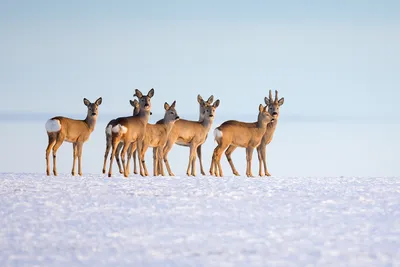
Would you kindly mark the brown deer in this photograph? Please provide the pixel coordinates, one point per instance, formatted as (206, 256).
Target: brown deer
(273, 109)
(136, 109)
(156, 136)
(243, 134)
(129, 130)
(60, 129)
(191, 134)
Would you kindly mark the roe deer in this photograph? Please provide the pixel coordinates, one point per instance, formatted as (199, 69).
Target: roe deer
(156, 136)
(136, 108)
(192, 134)
(129, 130)
(236, 133)
(60, 129)
(273, 109)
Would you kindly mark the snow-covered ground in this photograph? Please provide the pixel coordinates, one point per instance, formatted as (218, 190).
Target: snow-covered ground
(201, 221)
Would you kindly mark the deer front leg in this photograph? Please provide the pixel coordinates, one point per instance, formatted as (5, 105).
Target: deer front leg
(200, 160)
(249, 156)
(194, 161)
(55, 148)
(155, 161)
(191, 157)
(166, 150)
(264, 159)
(133, 148)
(142, 157)
(79, 147)
(160, 169)
(75, 155)
(260, 161)
(131, 153)
(52, 141)
(139, 151)
(117, 155)
(228, 154)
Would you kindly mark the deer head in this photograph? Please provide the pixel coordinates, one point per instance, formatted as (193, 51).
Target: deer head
(203, 104)
(264, 117)
(170, 112)
(93, 108)
(135, 105)
(144, 100)
(274, 105)
(209, 111)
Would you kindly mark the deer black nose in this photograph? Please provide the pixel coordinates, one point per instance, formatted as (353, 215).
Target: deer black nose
(274, 113)
(146, 105)
(177, 118)
(94, 114)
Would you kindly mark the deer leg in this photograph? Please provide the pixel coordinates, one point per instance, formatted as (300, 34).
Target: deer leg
(166, 150)
(192, 151)
(123, 158)
(155, 161)
(200, 160)
(217, 161)
(55, 148)
(228, 154)
(52, 141)
(194, 161)
(108, 147)
(160, 162)
(249, 156)
(79, 147)
(213, 162)
(260, 161)
(75, 155)
(117, 156)
(133, 148)
(139, 151)
(264, 159)
(142, 155)
(129, 154)
(114, 143)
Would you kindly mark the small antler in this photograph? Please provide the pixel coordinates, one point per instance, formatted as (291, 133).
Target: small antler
(270, 96)
(276, 96)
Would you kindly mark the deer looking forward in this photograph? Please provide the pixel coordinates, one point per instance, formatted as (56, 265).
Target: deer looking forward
(243, 134)
(273, 109)
(129, 130)
(156, 136)
(191, 134)
(181, 131)
(60, 129)
(136, 109)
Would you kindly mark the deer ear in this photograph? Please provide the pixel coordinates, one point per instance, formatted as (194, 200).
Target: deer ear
(200, 99)
(173, 104)
(166, 106)
(138, 93)
(86, 102)
(266, 100)
(210, 99)
(216, 103)
(280, 102)
(151, 93)
(133, 102)
(260, 108)
(99, 101)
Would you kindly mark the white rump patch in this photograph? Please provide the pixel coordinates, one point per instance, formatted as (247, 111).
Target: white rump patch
(108, 130)
(119, 128)
(217, 134)
(53, 126)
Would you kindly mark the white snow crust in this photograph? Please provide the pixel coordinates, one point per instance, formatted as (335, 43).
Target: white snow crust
(198, 221)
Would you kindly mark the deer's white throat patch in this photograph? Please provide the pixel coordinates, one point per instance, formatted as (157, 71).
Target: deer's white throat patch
(53, 126)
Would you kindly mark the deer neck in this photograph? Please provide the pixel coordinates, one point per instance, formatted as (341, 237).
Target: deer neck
(272, 125)
(207, 122)
(91, 122)
(144, 115)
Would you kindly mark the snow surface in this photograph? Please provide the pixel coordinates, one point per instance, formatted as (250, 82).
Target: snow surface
(200, 221)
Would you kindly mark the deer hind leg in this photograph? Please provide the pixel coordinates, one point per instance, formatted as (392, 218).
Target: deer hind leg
(160, 169)
(264, 159)
(75, 156)
(166, 150)
(192, 155)
(117, 156)
(200, 160)
(57, 145)
(132, 151)
(217, 158)
(249, 156)
(114, 143)
(52, 141)
(108, 147)
(79, 147)
(228, 154)
(260, 161)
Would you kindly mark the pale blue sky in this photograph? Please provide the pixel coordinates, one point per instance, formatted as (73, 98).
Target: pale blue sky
(327, 58)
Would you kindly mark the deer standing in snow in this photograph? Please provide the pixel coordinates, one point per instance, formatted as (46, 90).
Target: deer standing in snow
(191, 134)
(136, 109)
(236, 133)
(129, 130)
(273, 109)
(156, 136)
(60, 129)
